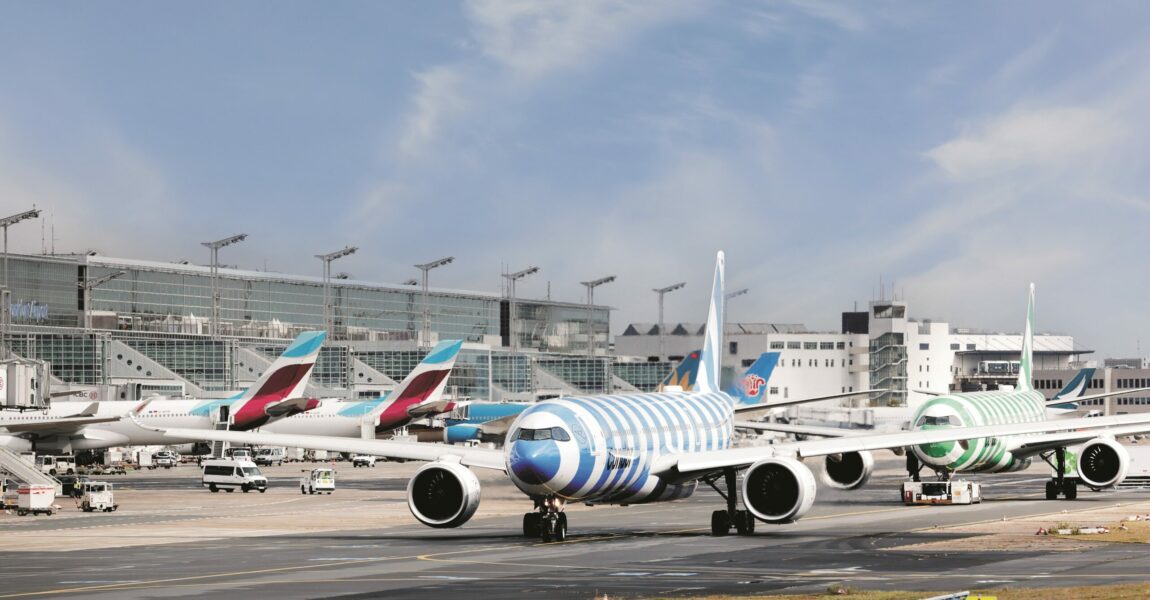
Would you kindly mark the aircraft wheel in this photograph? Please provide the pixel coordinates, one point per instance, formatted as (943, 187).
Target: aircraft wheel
(1070, 489)
(720, 523)
(531, 525)
(560, 533)
(744, 522)
(1051, 490)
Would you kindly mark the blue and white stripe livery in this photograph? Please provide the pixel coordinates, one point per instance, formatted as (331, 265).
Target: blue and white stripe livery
(599, 449)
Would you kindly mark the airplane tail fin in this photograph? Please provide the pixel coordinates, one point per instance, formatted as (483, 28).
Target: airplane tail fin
(684, 374)
(751, 388)
(287, 377)
(423, 385)
(1026, 363)
(1074, 389)
(710, 360)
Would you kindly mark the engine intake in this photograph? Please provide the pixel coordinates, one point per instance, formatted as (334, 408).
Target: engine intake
(443, 494)
(849, 470)
(1103, 463)
(779, 490)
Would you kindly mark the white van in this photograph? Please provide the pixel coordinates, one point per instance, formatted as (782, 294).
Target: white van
(270, 456)
(229, 474)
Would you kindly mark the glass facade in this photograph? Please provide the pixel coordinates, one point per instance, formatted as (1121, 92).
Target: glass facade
(163, 311)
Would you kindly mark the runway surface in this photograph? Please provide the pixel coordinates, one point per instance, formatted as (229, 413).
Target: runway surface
(638, 551)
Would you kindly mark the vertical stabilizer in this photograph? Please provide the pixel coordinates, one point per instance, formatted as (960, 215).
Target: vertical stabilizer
(1026, 363)
(710, 359)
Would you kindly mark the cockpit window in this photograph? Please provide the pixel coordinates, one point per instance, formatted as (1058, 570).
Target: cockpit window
(551, 433)
(938, 421)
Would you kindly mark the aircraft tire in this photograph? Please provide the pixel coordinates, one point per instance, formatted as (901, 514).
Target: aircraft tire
(560, 534)
(531, 525)
(1051, 490)
(720, 523)
(1070, 489)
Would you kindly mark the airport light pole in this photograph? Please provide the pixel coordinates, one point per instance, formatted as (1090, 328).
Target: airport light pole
(87, 285)
(426, 310)
(591, 285)
(327, 258)
(214, 324)
(663, 291)
(6, 309)
(513, 277)
(726, 297)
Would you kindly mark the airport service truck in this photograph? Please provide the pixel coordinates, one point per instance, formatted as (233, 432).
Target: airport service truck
(955, 491)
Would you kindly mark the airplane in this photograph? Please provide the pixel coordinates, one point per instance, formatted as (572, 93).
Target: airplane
(419, 395)
(74, 426)
(654, 447)
(489, 421)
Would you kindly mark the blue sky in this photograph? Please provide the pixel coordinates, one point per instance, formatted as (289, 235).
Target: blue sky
(960, 150)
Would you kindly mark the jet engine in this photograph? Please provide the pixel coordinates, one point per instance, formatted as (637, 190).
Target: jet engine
(779, 490)
(443, 494)
(1103, 463)
(849, 470)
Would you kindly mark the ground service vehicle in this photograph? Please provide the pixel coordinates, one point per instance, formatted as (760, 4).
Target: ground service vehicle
(228, 474)
(363, 460)
(956, 491)
(35, 499)
(165, 458)
(266, 457)
(57, 465)
(318, 481)
(96, 495)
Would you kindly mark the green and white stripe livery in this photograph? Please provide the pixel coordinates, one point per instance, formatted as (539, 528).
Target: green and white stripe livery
(1021, 405)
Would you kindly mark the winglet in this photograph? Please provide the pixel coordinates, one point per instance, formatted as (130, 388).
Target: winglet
(710, 360)
(1026, 368)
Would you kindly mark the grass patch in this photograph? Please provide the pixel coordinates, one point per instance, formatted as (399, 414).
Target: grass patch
(1133, 591)
(1135, 532)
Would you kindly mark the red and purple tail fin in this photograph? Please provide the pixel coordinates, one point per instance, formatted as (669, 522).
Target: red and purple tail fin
(421, 388)
(285, 379)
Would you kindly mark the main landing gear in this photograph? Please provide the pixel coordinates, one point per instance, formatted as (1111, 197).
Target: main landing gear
(548, 522)
(1067, 486)
(722, 520)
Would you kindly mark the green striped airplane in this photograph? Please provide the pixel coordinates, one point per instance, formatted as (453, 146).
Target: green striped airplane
(1102, 462)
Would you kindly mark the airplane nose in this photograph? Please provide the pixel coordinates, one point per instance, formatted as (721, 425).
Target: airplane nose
(534, 462)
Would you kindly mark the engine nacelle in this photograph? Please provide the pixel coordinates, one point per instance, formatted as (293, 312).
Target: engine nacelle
(779, 490)
(443, 494)
(849, 470)
(1103, 463)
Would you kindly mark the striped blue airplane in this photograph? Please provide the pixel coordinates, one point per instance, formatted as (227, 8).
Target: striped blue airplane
(653, 447)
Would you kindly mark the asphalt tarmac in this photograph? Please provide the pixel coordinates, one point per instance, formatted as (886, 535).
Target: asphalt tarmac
(360, 542)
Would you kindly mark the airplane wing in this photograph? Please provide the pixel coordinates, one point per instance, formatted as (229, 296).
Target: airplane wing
(1031, 445)
(799, 429)
(484, 458)
(683, 467)
(66, 425)
(750, 408)
(1071, 400)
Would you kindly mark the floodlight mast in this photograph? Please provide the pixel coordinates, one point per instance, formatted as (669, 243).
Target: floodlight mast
(513, 277)
(87, 285)
(327, 259)
(726, 297)
(663, 291)
(426, 340)
(5, 310)
(591, 285)
(214, 324)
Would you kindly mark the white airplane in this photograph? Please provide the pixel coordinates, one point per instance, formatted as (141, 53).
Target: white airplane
(74, 426)
(419, 395)
(636, 448)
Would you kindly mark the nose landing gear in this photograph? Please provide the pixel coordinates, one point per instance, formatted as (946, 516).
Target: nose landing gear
(548, 522)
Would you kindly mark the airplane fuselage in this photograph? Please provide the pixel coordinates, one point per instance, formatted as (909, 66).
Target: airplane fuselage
(974, 409)
(600, 449)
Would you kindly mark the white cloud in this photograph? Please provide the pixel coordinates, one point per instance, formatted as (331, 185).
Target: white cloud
(439, 98)
(533, 38)
(1045, 138)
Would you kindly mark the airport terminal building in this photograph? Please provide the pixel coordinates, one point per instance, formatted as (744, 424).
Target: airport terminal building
(123, 328)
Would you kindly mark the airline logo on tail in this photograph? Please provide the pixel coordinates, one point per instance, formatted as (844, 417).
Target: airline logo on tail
(285, 380)
(1074, 389)
(752, 386)
(684, 373)
(419, 393)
